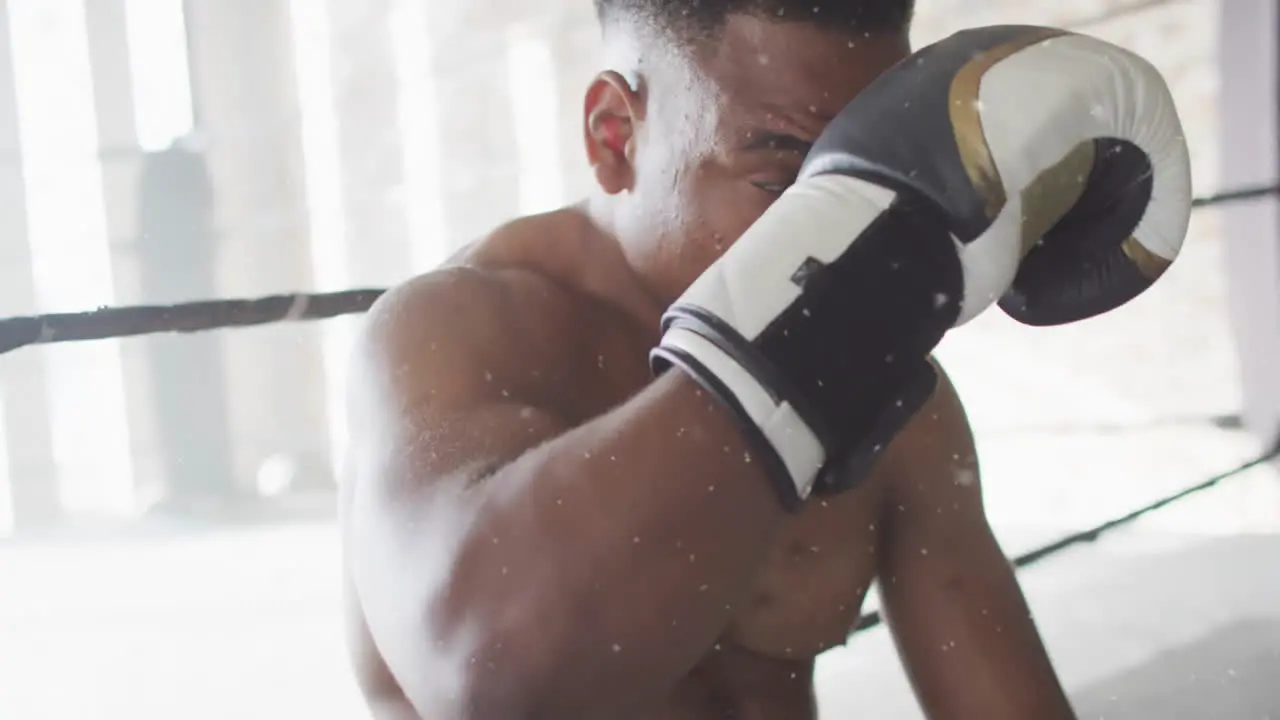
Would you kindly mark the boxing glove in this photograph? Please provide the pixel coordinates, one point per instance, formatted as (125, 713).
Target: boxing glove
(913, 213)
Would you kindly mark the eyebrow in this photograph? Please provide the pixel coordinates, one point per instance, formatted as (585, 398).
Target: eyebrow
(776, 141)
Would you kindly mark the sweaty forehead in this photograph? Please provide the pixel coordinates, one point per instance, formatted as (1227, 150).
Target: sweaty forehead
(792, 73)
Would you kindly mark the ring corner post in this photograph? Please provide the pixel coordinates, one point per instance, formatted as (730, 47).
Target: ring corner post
(1249, 77)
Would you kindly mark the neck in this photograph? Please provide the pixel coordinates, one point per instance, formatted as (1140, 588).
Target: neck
(629, 279)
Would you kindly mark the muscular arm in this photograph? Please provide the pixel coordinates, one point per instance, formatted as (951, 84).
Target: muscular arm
(509, 565)
(950, 596)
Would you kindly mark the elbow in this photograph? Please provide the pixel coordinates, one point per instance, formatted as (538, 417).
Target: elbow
(492, 671)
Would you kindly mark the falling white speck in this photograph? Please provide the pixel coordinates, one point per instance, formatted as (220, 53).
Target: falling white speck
(711, 488)
(526, 413)
(813, 108)
(805, 312)
(852, 44)
(965, 477)
(894, 265)
(762, 59)
(977, 105)
(505, 393)
(924, 551)
(617, 647)
(488, 376)
(746, 457)
(559, 501)
(504, 571)
(636, 540)
(888, 358)
(600, 361)
(702, 588)
(940, 299)
(692, 557)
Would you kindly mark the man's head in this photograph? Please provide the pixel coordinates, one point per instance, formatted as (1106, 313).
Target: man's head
(708, 109)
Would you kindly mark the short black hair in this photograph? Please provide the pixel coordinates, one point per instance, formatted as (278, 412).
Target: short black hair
(706, 16)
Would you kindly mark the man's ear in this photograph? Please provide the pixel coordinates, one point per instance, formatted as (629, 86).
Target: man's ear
(613, 111)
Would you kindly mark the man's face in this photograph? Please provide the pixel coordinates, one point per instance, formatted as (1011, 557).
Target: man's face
(722, 132)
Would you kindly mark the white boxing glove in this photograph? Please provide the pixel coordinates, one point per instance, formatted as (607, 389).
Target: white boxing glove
(927, 199)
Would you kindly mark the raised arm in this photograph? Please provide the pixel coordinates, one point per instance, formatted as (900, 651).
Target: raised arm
(509, 565)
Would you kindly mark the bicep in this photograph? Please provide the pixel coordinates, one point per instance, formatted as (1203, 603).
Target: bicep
(950, 595)
(430, 416)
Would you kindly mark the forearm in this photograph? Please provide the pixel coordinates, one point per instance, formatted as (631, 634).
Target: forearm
(615, 553)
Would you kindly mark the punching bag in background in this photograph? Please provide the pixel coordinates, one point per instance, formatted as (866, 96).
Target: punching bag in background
(177, 251)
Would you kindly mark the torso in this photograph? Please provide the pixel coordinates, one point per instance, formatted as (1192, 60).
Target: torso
(810, 590)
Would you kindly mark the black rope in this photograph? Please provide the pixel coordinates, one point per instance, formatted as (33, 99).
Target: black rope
(1235, 195)
(872, 619)
(17, 332)
(184, 318)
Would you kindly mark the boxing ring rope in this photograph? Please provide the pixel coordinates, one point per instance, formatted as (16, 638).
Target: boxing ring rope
(872, 619)
(115, 322)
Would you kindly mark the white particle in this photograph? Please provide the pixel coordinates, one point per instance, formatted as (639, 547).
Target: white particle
(600, 361)
(617, 647)
(702, 588)
(636, 540)
(488, 376)
(924, 551)
(939, 299)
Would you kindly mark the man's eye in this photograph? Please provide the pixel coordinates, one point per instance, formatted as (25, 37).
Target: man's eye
(773, 188)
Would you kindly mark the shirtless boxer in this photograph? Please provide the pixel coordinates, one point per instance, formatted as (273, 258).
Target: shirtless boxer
(539, 528)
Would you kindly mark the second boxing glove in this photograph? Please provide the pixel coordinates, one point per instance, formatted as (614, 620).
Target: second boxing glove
(911, 215)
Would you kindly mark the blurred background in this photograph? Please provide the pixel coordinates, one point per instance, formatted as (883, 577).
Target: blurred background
(167, 537)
